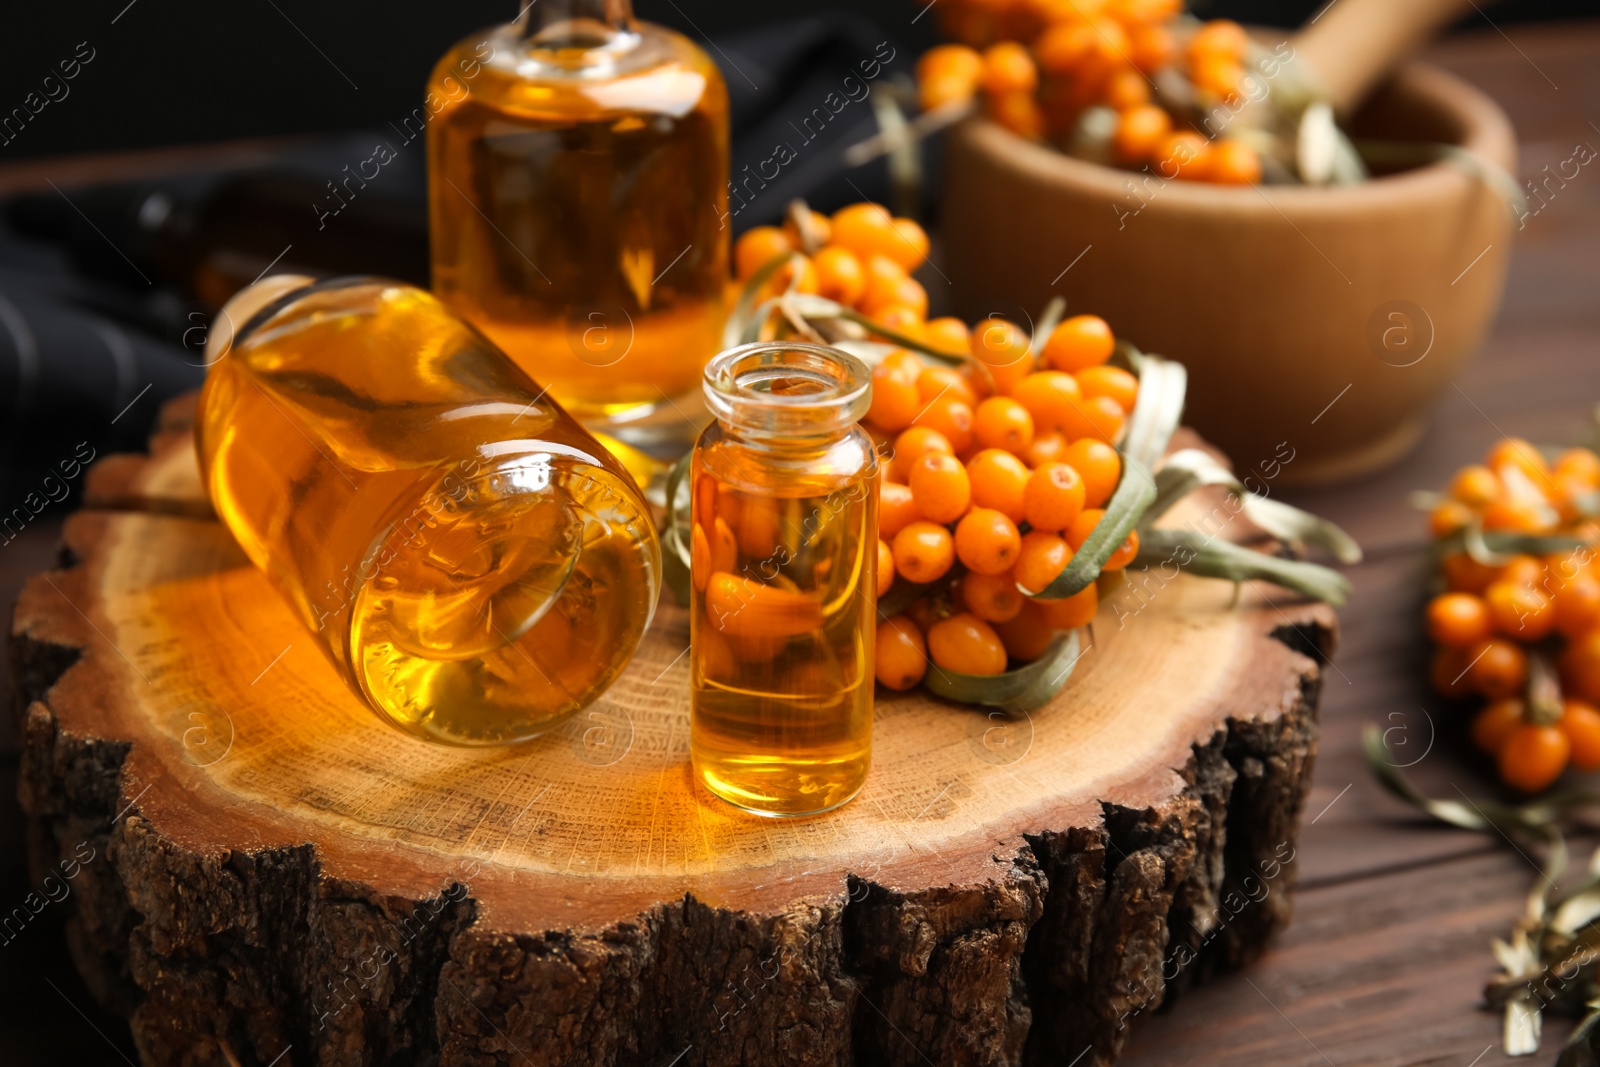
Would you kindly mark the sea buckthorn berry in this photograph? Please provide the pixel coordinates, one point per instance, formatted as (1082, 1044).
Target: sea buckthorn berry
(1054, 497)
(757, 247)
(1099, 465)
(1582, 465)
(1216, 74)
(1581, 723)
(1008, 68)
(724, 547)
(1459, 619)
(1099, 418)
(1151, 47)
(1463, 574)
(935, 382)
(887, 284)
(1234, 163)
(1001, 422)
(1447, 671)
(948, 335)
(1523, 456)
(1113, 382)
(909, 248)
(923, 552)
(955, 59)
(895, 399)
(1499, 668)
(1027, 636)
(1051, 397)
(1047, 448)
(840, 275)
(1002, 347)
(941, 488)
(865, 229)
(899, 318)
(1074, 611)
(1080, 342)
(1127, 88)
(1124, 553)
(1140, 133)
(699, 556)
(1580, 665)
(897, 509)
(1043, 556)
(1475, 486)
(952, 417)
(1080, 529)
(1184, 154)
(901, 654)
(885, 565)
(911, 446)
(991, 597)
(1577, 604)
(1019, 113)
(1533, 757)
(966, 644)
(798, 275)
(1497, 721)
(1521, 612)
(1063, 47)
(1222, 37)
(999, 480)
(987, 542)
(905, 361)
(1524, 570)
(1448, 517)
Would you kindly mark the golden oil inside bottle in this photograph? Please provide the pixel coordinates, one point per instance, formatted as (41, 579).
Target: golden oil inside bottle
(476, 565)
(578, 192)
(784, 537)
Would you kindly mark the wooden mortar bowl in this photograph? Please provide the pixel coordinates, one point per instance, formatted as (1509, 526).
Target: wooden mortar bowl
(1328, 319)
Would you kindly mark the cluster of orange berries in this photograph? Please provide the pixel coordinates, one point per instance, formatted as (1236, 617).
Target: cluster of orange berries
(1040, 63)
(863, 258)
(1002, 467)
(1495, 619)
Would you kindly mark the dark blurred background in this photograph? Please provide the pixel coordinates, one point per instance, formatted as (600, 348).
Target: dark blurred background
(170, 72)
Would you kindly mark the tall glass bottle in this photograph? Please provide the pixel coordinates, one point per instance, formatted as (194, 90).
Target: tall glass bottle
(578, 168)
(476, 566)
(783, 567)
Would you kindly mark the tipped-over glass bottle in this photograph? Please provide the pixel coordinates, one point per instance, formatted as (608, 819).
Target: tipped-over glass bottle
(578, 168)
(476, 566)
(783, 568)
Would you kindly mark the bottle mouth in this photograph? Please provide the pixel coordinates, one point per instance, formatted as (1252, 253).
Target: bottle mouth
(787, 388)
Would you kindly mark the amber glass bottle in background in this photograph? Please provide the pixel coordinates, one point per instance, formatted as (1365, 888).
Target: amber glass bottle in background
(578, 169)
(473, 562)
(784, 554)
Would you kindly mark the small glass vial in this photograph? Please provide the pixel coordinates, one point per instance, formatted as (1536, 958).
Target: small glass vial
(784, 557)
(578, 170)
(476, 566)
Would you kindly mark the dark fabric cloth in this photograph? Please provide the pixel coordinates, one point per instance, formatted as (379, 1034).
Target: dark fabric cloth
(106, 292)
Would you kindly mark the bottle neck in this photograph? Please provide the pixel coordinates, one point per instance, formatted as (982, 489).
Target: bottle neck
(575, 24)
(787, 394)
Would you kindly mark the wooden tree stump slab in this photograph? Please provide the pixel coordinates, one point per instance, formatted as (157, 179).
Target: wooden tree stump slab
(275, 876)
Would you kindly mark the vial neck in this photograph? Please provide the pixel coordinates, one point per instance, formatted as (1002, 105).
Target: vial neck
(575, 24)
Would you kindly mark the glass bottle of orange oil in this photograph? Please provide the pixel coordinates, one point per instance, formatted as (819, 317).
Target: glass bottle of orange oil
(474, 563)
(784, 490)
(578, 168)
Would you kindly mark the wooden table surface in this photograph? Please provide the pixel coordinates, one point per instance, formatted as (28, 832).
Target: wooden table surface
(1388, 954)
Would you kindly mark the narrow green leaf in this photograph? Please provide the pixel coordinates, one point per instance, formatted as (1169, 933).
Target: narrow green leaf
(1156, 413)
(1123, 511)
(1023, 690)
(1216, 558)
(900, 339)
(1187, 470)
(1496, 547)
